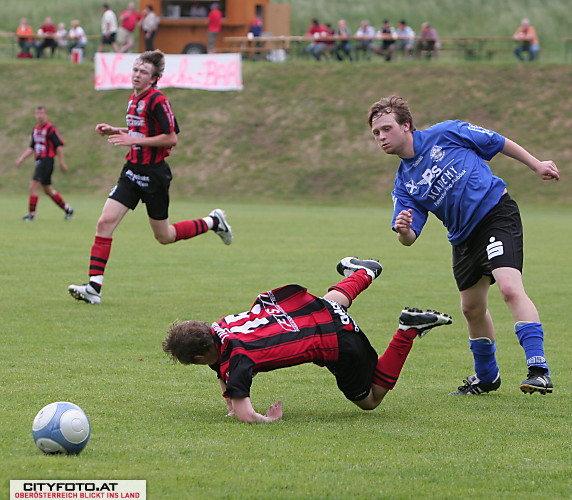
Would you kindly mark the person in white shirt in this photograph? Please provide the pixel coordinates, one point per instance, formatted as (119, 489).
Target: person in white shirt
(77, 36)
(108, 29)
(365, 35)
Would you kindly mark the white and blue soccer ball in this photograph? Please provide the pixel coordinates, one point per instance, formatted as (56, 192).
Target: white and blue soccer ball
(61, 427)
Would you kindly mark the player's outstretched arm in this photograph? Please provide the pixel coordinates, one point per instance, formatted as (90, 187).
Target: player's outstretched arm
(546, 170)
(105, 129)
(245, 412)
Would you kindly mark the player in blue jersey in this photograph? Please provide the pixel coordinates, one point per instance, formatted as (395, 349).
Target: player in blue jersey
(443, 170)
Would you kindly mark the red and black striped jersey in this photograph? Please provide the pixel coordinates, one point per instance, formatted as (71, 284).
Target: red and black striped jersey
(285, 327)
(45, 140)
(149, 114)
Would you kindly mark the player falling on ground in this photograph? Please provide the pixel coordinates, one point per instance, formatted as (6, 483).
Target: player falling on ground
(150, 134)
(46, 144)
(288, 326)
(443, 170)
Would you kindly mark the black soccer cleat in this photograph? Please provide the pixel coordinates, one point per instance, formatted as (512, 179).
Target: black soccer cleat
(473, 386)
(349, 265)
(422, 321)
(537, 381)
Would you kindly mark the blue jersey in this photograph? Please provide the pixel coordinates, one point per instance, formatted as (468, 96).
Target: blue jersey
(449, 177)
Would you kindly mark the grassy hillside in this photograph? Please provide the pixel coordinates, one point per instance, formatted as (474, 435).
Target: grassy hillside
(298, 129)
(452, 18)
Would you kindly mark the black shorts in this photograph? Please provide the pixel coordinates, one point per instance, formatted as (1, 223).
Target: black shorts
(148, 183)
(497, 241)
(108, 40)
(355, 366)
(43, 171)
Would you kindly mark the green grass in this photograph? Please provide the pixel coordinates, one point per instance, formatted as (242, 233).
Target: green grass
(165, 423)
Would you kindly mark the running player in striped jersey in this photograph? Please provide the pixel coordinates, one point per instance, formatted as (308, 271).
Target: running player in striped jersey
(150, 134)
(289, 326)
(46, 144)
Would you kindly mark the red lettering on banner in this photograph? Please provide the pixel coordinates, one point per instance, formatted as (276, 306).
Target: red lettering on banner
(217, 72)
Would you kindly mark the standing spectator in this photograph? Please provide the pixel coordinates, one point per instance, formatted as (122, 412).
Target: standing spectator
(47, 35)
(77, 36)
(108, 29)
(444, 171)
(527, 41)
(25, 35)
(405, 38)
(427, 43)
(128, 21)
(388, 35)
(45, 145)
(214, 25)
(343, 48)
(150, 134)
(149, 25)
(256, 26)
(365, 35)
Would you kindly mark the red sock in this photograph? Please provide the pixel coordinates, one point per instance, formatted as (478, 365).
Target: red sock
(99, 255)
(32, 203)
(389, 365)
(352, 286)
(190, 228)
(58, 200)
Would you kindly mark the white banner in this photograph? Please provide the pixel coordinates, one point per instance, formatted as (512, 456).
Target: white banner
(51, 489)
(206, 72)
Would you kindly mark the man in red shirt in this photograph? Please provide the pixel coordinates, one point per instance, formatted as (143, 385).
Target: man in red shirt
(47, 34)
(289, 326)
(214, 24)
(150, 134)
(128, 21)
(45, 145)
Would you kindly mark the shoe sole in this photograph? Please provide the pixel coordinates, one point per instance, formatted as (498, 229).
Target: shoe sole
(346, 264)
(531, 389)
(81, 297)
(424, 328)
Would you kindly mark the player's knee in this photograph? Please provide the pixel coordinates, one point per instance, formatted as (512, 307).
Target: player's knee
(473, 311)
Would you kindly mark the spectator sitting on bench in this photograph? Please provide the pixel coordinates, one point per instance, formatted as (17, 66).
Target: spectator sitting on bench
(343, 47)
(427, 43)
(47, 34)
(77, 36)
(405, 37)
(25, 35)
(365, 34)
(528, 41)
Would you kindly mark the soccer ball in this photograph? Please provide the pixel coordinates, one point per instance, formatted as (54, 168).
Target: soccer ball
(61, 427)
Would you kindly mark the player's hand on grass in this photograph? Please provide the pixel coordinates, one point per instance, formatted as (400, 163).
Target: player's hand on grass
(274, 412)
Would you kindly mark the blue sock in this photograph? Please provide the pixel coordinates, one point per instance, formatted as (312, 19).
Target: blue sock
(486, 367)
(531, 338)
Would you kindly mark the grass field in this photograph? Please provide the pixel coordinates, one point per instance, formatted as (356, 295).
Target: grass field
(165, 423)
